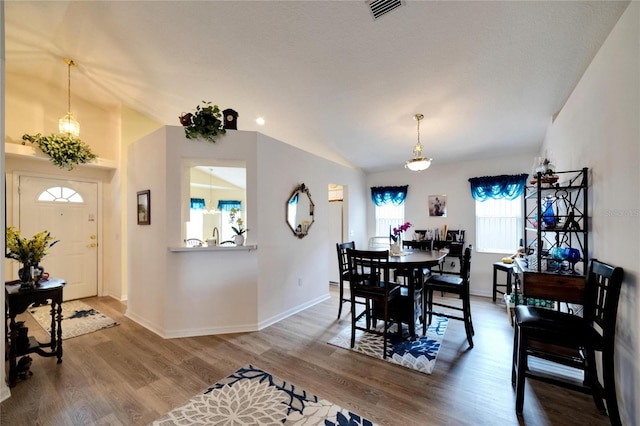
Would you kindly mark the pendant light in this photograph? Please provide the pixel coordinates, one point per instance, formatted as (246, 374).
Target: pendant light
(418, 162)
(209, 208)
(67, 124)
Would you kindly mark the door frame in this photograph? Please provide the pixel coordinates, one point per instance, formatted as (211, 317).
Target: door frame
(16, 210)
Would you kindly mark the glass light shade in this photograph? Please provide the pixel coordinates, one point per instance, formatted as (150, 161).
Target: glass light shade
(418, 164)
(68, 125)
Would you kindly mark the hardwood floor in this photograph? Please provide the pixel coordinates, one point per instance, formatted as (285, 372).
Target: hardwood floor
(127, 375)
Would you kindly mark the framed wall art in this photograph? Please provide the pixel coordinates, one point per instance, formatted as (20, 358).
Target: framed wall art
(438, 205)
(144, 207)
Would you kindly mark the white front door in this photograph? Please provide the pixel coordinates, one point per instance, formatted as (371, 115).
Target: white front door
(69, 211)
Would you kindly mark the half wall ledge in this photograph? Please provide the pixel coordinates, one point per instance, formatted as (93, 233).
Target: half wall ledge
(218, 248)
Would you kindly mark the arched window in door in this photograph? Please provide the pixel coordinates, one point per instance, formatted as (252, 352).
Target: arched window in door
(60, 194)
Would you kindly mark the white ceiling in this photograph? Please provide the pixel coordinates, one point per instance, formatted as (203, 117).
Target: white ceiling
(326, 76)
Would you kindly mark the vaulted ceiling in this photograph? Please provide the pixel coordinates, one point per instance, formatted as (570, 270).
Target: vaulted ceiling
(325, 75)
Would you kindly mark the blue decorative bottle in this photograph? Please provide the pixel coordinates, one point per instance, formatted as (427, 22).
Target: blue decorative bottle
(548, 217)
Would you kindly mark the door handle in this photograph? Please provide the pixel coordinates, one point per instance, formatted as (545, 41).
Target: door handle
(92, 245)
(93, 237)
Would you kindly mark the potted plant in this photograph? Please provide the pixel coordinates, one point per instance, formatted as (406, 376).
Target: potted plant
(29, 252)
(205, 123)
(239, 228)
(65, 151)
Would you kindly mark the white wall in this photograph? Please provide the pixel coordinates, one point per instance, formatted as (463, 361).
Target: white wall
(599, 127)
(452, 180)
(179, 294)
(284, 259)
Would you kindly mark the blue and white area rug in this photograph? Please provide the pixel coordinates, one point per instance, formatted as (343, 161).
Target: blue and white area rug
(78, 318)
(251, 396)
(417, 353)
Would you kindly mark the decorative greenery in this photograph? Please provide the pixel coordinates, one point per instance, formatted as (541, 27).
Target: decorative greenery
(400, 229)
(205, 123)
(239, 230)
(66, 152)
(28, 251)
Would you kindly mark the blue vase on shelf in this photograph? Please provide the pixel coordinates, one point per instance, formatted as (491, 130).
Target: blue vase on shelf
(548, 216)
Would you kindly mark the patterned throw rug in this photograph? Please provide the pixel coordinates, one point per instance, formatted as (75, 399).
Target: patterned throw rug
(77, 318)
(418, 353)
(251, 396)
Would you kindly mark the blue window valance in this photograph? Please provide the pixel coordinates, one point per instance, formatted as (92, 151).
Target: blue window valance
(509, 187)
(382, 195)
(197, 203)
(227, 205)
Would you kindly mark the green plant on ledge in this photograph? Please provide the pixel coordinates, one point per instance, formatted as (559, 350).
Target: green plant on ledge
(65, 152)
(205, 123)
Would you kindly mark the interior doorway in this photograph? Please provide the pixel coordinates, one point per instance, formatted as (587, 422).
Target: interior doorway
(336, 228)
(68, 209)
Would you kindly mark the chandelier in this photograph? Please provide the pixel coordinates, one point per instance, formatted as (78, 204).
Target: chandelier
(418, 162)
(67, 124)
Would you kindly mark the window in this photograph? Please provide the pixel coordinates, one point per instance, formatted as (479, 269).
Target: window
(498, 225)
(60, 194)
(388, 216)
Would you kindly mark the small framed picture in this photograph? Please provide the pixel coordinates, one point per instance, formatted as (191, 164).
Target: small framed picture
(438, 205)
(144, 207)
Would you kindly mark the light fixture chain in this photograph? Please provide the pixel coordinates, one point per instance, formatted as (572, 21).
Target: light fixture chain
(69, 87)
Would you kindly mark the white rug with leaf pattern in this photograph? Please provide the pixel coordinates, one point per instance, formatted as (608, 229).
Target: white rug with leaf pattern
(78, 318)
(252, 396)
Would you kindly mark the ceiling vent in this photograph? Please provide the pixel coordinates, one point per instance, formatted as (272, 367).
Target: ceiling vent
(380, 7)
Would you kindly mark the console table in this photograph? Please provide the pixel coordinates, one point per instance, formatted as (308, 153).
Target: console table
(16, 302)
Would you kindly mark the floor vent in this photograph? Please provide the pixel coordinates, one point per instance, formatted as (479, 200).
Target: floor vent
(380, 7)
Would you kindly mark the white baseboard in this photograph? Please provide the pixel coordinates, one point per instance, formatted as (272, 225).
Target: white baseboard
(240, 328)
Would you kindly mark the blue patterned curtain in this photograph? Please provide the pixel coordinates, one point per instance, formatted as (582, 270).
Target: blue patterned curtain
(497, 187)
(382, 195)
(227, 205)
(197, 203)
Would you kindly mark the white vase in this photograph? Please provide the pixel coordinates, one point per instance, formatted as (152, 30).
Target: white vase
(238, 239)
(396, 248)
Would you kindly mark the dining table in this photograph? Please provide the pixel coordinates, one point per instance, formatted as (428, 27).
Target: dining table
(417, 259)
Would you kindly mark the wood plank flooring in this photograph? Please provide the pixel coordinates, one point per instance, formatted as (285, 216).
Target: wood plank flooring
(127, 375)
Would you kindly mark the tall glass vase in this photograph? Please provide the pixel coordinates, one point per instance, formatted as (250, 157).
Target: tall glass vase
(548, 216)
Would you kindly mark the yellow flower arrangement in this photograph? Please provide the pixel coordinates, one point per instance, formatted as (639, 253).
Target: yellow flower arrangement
(28, 251)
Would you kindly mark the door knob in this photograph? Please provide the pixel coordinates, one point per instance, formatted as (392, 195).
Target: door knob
(93, 237)
(92, 245)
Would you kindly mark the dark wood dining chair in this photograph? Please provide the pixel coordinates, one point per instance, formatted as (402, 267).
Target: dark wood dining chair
(343, 267)
(369, 280)
(567, 338)
(458, 285)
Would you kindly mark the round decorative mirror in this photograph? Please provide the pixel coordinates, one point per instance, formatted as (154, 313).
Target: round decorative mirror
(299, 212)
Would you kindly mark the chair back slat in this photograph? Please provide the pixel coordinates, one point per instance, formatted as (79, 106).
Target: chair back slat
(343, 259)
(603, 294)
(368, 268)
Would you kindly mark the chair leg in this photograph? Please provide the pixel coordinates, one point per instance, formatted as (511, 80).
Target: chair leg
(514, 359)
(522, 366)
(341, 300)
(591, 380)
(467, 321)
(608, 375)
(430, 305)
(353, 321)
(384, 330)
